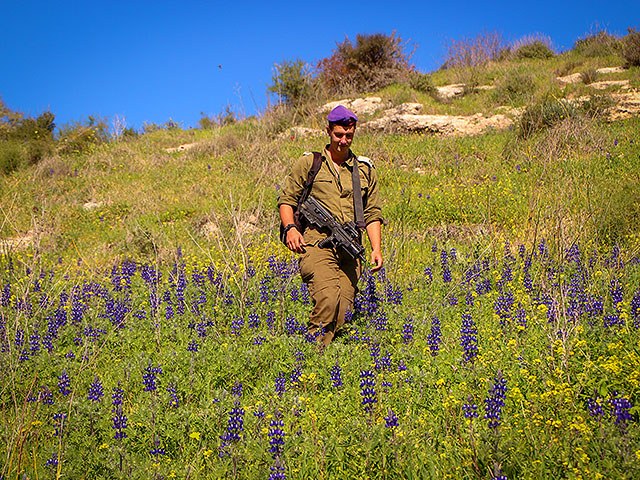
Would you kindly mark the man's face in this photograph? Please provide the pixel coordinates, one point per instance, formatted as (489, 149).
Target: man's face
(340, 138)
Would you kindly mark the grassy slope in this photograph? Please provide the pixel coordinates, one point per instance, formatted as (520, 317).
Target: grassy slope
(568, 183)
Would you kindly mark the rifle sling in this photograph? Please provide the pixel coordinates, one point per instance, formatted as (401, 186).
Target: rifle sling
(357, 195)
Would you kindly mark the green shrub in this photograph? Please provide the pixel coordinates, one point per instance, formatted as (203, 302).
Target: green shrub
(543, 114)
(24, 140)
(600, 44)
(514, 87)
(589, 76)
(535, 49)
(422, 83)
(597, 105)
(631, 48)
(12, 156)
(79, 137)
(37, 150)
(291, 82)
(129, 133)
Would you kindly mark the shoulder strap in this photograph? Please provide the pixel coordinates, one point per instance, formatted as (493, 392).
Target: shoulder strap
(357, 195)
(315, 168)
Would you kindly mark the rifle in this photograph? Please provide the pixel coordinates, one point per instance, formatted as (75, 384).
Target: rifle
(345, 236)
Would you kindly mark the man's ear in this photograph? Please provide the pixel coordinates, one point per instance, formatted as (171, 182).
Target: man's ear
(329, 129)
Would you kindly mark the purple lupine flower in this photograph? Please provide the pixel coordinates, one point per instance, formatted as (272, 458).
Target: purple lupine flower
(95, 390)
(259, 340)
(368, 392)
(149, 379)
(407, 331)
(336, 376)
(296, 373)
(468, 338)
(236, 325)
(277, 471)
(119, 423)
(620, 406)
(386, 386)
(470, 409)
(259, 412)
(59, 423)
(157, 450)
(276, 436)
(280, 384)
(468, 299)
(379, 320)
(615, 289)
(391, 420)
(254, 320)
(192, 346)
(384, 362)
(64, 383)
(446, 271)
(53, 460)
(495, 401)
(237, 389)
(428, 275)
(433, 340)
(46, 396)
(173, 402)
(270, 319)
(235, 425)
(594, 405)
(117, 396)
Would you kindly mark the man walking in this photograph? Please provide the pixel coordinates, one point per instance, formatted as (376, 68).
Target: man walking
(330, 273)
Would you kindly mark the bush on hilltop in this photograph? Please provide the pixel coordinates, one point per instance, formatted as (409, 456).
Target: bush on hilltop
(631, 48)
(600, 44)
(373, 62)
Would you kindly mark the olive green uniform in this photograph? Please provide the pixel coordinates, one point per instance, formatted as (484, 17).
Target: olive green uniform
(331, 275)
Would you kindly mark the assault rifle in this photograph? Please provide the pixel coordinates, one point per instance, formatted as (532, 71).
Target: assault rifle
(345, 236)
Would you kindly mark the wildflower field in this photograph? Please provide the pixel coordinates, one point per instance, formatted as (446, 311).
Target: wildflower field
(506, 363)
(151, 326)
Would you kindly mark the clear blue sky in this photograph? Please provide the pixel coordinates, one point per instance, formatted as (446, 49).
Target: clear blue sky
(151, 61)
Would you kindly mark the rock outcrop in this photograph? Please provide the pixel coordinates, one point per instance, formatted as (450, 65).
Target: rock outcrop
(406, 119)
(360, 106)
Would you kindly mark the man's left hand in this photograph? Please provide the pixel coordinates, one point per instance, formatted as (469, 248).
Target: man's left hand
(376, 260)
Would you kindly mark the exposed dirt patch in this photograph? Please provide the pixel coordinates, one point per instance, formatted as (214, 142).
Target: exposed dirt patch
(21, 242)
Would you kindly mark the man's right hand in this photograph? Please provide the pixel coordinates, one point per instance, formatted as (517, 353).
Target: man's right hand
(295, 241)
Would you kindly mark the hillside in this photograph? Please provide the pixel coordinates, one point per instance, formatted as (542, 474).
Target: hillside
(143, 197)
(152, 325)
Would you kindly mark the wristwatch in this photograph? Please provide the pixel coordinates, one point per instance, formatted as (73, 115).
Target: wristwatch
(288, 227)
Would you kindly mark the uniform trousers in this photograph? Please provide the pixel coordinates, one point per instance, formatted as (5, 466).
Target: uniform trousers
(332, 277)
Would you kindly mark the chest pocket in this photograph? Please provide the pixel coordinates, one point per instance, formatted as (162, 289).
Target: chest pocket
(364, 184)
(324, 184)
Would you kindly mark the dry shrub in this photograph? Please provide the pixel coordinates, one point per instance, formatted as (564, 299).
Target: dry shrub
(589, 76)
(570, 136)
(600, 44)
(373, 62)
(567, 68)
(473, 51)
(631, 48)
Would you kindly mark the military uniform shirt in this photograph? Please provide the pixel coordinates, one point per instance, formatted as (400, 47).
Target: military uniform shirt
(333, 188)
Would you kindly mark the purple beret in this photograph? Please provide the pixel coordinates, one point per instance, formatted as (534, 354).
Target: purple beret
(342, 116)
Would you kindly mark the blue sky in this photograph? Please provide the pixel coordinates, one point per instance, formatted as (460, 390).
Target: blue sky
(151, 61)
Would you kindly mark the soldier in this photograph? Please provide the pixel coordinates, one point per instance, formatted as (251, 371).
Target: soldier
(332, 275)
